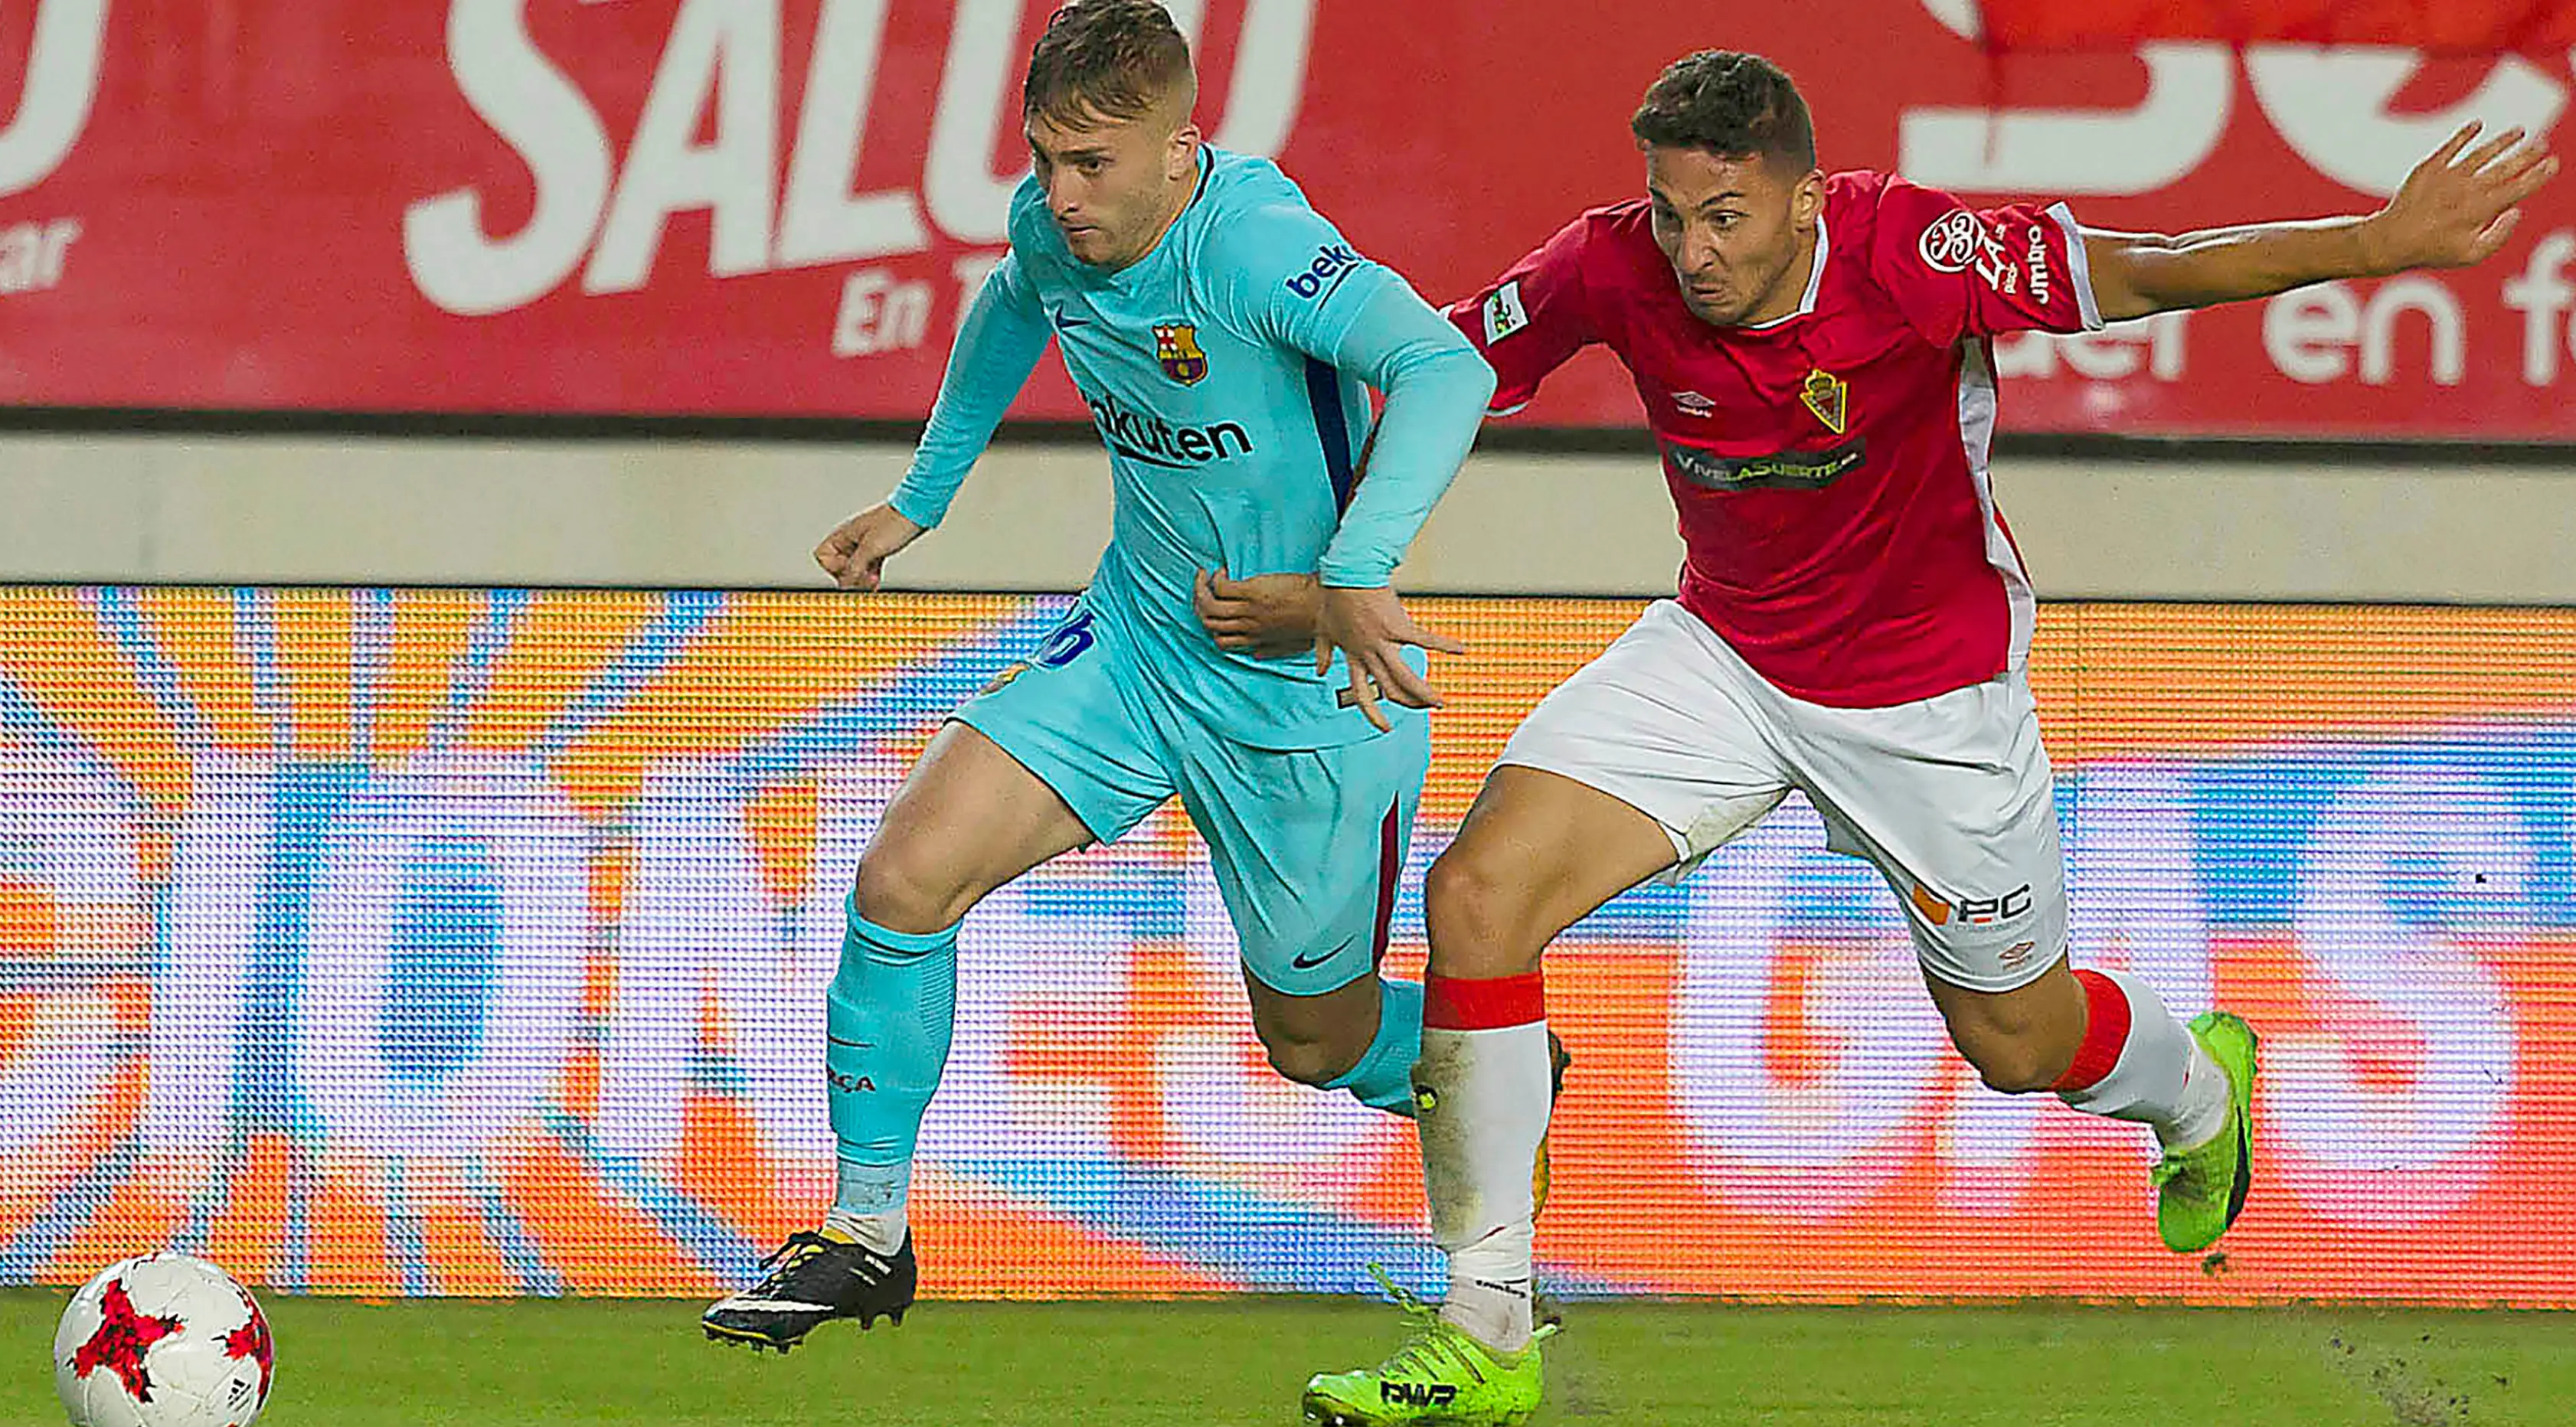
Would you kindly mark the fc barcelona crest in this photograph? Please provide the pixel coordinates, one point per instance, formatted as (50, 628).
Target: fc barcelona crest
(1829, 397)
(1176, 346)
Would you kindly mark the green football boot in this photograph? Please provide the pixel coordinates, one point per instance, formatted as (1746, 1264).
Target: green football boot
(1441, 1377)
(2199, 1192)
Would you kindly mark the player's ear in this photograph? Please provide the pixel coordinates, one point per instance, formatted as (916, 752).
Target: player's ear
(1807, 200)
(1181, 157)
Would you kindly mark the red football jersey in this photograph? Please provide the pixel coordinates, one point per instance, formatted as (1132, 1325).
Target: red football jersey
(1829, 467)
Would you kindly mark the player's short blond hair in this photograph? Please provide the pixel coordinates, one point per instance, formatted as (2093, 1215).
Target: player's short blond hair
(1109, 59)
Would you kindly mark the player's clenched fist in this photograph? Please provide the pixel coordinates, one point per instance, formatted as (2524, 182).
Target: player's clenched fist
(854, 554)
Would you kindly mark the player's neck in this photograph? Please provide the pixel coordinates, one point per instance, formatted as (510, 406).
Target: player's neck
(1791, 290)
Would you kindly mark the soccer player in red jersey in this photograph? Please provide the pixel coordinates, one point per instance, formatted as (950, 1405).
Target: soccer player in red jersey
(1813, 355)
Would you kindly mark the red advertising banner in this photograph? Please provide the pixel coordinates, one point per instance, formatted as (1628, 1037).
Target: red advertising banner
(778, 207)
(2535, 27)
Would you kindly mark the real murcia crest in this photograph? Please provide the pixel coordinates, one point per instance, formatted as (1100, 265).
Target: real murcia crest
(1829, 397)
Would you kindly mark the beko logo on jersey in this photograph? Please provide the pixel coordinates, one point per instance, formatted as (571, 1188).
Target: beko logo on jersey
(1333, 262)
(1783, 470)
(1143, 436)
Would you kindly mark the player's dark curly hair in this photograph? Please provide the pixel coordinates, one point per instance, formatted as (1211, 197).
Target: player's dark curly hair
(1108, 59)
(1731, 104)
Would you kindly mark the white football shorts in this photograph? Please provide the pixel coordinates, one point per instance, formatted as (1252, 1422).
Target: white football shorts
(1949, 797)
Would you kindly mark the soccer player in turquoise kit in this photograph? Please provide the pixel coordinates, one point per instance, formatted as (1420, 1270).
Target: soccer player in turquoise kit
(1224, 336)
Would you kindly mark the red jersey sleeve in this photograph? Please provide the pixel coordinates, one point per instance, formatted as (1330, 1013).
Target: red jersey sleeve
(1534, 317)
(1960, 272)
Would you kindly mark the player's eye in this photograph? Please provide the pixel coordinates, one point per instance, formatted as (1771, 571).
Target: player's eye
(1725, 221)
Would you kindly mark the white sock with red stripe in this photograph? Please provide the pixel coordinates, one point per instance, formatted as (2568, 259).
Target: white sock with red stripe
(1481, 1103)
(2138, 1063)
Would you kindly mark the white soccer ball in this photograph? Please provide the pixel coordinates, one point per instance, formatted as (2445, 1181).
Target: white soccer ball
(164, 1340)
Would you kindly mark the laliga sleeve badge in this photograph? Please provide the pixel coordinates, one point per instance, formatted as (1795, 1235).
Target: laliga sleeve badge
(1829, 397)
(1504, 313)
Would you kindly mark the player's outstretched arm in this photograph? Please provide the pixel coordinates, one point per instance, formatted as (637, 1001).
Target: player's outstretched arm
(2456, 208)
(998, 344)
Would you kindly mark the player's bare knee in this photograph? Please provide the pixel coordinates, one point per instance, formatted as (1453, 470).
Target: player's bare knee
(1309, 1057)
(2014, 1065)
(901, 891)
(1477, 914)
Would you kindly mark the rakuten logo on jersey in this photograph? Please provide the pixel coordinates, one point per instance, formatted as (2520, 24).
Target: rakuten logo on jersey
(709, 139)
(1143, 436)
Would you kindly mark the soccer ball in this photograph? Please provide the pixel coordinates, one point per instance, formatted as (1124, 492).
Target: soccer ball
(164, 1340)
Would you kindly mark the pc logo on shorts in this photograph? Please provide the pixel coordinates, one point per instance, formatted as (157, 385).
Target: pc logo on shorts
(1176, 346)
(1973, 911)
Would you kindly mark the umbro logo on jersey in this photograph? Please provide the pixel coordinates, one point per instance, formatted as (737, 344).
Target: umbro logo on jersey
(1694, 404)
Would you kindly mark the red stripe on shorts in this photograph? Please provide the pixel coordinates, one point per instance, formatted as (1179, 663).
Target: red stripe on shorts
(1390, 866)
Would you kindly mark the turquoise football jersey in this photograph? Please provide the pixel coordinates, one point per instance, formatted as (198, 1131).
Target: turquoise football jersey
(1227, 372)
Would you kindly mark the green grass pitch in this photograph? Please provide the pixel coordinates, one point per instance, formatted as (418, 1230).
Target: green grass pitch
(477, 1363)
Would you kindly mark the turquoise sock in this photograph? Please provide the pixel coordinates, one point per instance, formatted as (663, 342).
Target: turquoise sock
(1383, 1079)
(891, 1006)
